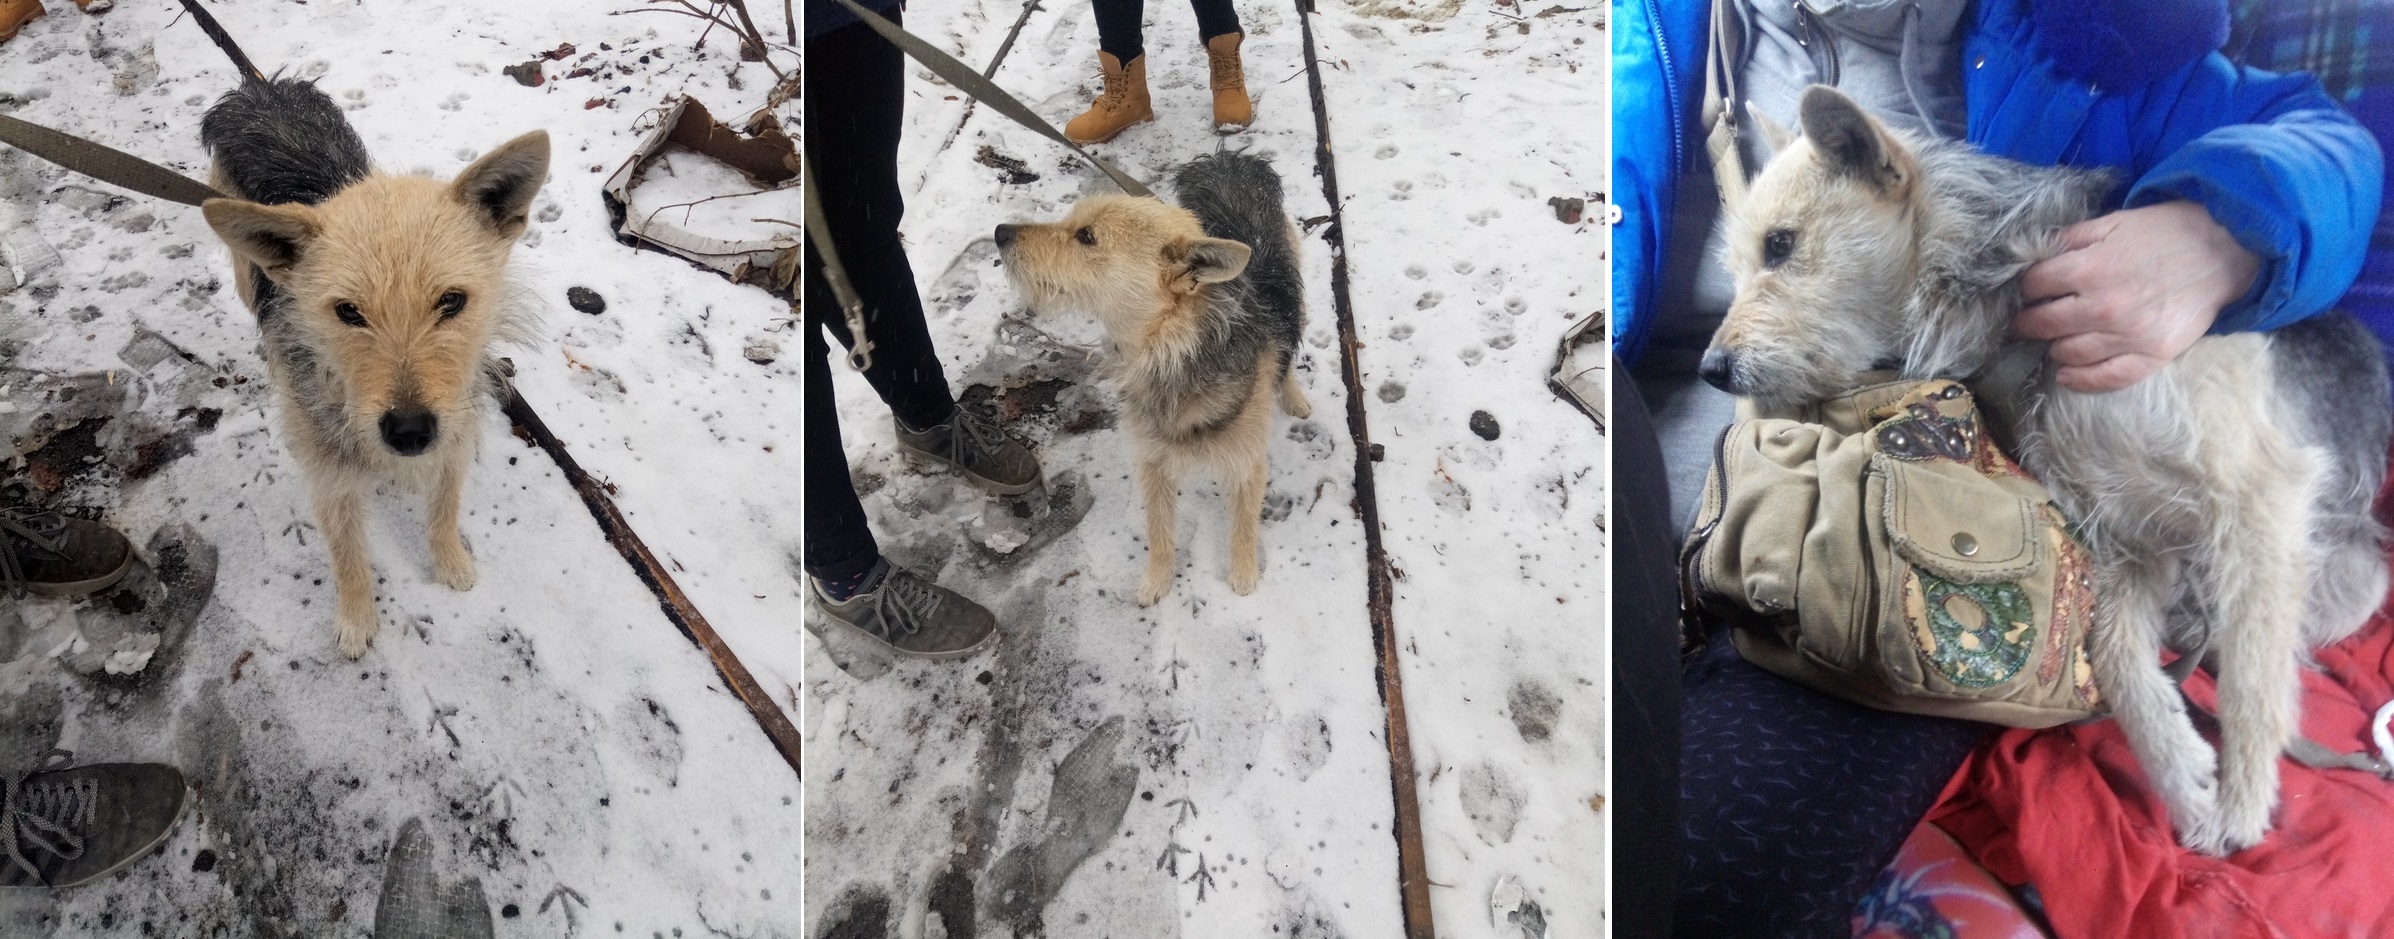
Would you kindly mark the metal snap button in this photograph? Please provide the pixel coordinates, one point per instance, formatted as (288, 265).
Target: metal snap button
(1964, 544)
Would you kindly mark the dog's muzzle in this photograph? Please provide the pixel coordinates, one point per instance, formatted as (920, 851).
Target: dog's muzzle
(409, 432)
(1719, 369)
(1004, 236)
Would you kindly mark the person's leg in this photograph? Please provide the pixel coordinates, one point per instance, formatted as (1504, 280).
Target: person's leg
(1218, 26)
(1646, 840)
(840, 549)
(1122, 59)
(855, 104)
(1215, 18)
(1121, 28)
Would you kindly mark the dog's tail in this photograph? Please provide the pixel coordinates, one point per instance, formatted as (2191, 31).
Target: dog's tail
(224, 41)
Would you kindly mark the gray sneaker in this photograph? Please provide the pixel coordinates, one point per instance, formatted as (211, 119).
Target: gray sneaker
(909, 613)
(974, 446)
(65, 827)
(52, 555)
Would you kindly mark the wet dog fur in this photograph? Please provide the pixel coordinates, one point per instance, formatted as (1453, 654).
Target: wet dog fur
(1202, 305)
(378, 300)
(2226, 499)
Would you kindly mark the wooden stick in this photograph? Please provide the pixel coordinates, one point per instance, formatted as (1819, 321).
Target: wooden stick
(1413, 873)
(677, 606)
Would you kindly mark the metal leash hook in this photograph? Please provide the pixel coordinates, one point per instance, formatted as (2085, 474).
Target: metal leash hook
(818, 233)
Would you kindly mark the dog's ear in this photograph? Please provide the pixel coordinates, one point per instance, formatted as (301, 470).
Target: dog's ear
(1849, 141)
(1775, 135)
(500, 186)
(274, 237)
(1209, 260)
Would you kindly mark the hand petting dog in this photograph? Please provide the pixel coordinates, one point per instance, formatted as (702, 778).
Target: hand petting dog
(2131, 291)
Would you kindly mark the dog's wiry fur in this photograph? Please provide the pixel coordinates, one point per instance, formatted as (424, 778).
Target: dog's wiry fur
(2226, 499)
(378, 299)
(1203, 305)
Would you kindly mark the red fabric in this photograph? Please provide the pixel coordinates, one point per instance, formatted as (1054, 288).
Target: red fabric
(2068, 810)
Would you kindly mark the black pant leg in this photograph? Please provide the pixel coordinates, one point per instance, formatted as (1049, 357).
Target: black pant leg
(1121, 27)
(1215, 18)
(1646, 696)
(838, 542)
(855, 113)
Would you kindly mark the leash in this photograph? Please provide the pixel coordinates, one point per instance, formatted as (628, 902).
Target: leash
(972, 84)
(104, 163)
(860, 350)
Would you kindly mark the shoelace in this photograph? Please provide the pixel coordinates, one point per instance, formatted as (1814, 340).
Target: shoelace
(46, 531)
(904, 602)
(1115, 91)
(971, 436)
(49, 816)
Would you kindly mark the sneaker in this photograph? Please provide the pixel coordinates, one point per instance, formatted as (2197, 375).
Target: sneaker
(66, 827)
(51, 555)
(974, 446)
(911, 614)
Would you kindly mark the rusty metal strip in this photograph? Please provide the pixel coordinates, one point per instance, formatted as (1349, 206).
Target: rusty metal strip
(676, 605)
(1413, 875)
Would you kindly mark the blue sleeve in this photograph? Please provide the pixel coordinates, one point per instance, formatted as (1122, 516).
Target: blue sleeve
(2293, 177)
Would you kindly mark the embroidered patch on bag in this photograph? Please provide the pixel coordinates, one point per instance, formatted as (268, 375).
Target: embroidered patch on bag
(1976, 635)
(2073, 610)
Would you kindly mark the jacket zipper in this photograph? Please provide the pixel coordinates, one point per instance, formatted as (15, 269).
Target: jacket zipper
(1824, 52)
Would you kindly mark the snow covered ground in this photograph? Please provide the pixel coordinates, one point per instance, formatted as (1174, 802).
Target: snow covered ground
(1219, 765)
(561, 745)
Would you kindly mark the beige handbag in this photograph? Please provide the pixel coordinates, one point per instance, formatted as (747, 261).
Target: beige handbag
(1880, 549)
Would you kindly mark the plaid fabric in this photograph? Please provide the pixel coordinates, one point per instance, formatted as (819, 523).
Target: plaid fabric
(2349, 46)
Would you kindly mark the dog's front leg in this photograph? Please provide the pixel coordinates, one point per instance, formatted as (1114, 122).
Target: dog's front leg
(1246, 512)
(452, 565)
(2261, 567)
(341, 514)
(2126, 653)
(1160, 491)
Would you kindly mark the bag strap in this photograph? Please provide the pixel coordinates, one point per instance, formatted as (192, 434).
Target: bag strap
(1723, 55)
(2301, 749)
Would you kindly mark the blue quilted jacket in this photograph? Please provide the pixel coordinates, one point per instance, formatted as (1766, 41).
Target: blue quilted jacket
(2132, 85)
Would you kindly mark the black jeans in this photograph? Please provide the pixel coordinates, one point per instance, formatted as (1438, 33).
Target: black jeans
(855, 109)
(1120, 24)
(1789, 803)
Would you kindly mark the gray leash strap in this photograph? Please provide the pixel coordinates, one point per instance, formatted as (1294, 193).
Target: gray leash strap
(818, 233)
(106, 164)
(987, 92)
(2301, 749)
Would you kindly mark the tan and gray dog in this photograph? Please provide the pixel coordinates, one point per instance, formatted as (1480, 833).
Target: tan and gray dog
(1202, 305)
(2226, 499)
(378, 299)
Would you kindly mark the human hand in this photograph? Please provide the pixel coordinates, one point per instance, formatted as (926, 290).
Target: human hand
(2130, 291)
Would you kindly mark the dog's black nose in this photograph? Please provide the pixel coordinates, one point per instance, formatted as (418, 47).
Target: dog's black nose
(409, 432)
(1717, 369)
(1005, 235)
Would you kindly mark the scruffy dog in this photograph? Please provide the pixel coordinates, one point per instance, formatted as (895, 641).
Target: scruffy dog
(2225, 499)
(378, 298)
(1202, 305)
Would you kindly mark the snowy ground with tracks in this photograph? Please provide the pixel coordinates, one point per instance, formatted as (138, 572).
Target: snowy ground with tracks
(564, 749)
(1217, 764)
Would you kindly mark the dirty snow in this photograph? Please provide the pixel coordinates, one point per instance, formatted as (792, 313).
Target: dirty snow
(1218, 765)
(563, 750)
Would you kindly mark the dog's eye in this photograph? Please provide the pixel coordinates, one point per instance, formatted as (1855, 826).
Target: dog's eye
(348, 313)
(1086, 236)
(451, 303)
(1776, 246)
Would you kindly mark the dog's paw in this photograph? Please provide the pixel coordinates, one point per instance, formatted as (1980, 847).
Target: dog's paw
(1244, 577)
(1153, 587)
(357, 633)
(2215, 835)
(455, 572)
(1297, 407)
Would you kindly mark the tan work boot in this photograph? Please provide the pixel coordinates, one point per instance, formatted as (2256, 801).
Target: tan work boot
(14, 14)
(1232, 107)
(95, 6)
(1123, 103)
